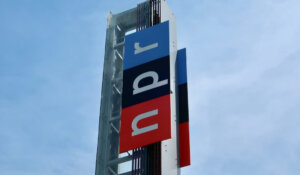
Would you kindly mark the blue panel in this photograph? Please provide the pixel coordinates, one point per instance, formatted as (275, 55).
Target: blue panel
(181, 67)
(147, 45)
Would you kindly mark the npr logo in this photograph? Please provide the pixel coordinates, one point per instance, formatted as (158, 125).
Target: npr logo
(146, 109)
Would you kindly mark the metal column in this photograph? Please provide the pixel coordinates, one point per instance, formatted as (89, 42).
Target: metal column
(108, 159)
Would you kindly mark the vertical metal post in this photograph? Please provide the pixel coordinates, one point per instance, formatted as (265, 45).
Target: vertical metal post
(108, 158)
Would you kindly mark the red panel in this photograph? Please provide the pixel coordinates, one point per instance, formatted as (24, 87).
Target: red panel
(162, 120)
(184, 136)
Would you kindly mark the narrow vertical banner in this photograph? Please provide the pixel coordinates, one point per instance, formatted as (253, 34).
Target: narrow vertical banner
(146, 105)
(184, 133)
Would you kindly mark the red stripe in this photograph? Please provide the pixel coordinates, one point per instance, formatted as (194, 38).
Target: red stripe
(184, 136)
(162, 119)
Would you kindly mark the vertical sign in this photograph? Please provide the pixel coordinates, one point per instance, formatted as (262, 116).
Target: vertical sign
(146, 108)
(184, 133)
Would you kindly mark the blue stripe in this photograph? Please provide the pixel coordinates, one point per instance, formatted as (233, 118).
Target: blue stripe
(181, 67)
(158, 34)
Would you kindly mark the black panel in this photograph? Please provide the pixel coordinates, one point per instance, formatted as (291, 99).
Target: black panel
(183, 103)
(161, 67)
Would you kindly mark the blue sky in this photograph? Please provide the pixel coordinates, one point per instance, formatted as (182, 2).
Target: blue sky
(243, 68)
